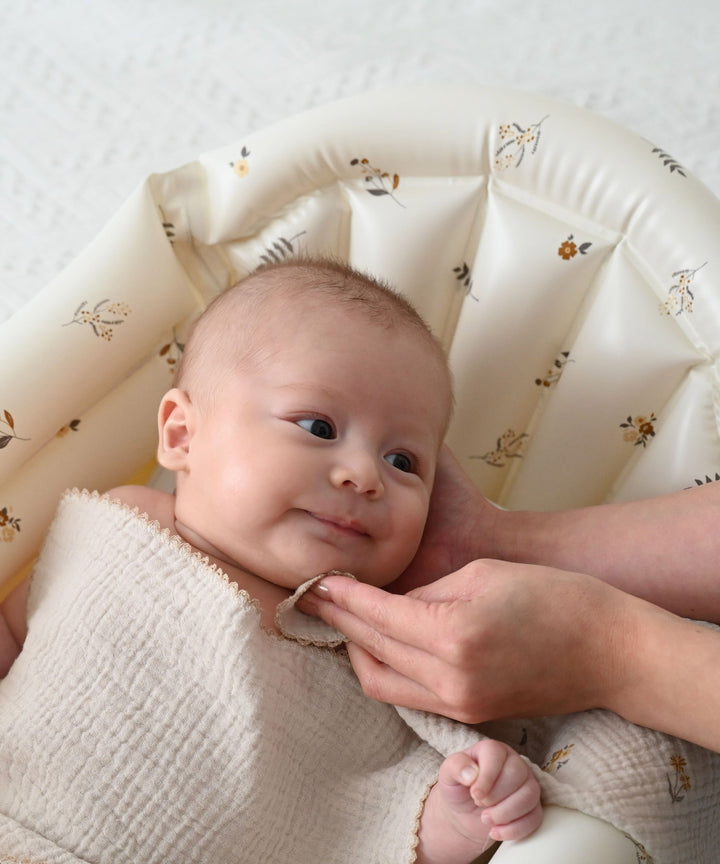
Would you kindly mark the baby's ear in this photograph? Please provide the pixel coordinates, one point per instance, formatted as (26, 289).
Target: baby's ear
(174, 429)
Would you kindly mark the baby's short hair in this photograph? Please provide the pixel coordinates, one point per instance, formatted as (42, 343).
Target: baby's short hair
(226, 334)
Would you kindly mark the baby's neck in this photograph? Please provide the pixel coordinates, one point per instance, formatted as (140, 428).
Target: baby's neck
(267, 594)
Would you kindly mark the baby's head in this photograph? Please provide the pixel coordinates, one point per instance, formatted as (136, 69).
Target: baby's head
(305, 425)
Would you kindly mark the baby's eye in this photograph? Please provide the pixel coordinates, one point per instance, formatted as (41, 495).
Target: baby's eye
(318, 427)
(402, 462)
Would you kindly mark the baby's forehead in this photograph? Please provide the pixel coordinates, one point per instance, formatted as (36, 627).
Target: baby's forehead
(356, 328)
(264, 315)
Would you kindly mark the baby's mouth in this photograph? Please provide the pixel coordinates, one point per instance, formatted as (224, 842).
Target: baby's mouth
(340, 523)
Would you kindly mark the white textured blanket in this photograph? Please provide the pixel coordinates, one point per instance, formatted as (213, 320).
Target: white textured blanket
(150, 719)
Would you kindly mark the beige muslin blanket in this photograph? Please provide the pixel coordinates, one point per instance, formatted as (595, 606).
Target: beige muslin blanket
(150, 719)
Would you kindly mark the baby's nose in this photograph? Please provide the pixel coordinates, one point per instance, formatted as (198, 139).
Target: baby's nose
(360, 472)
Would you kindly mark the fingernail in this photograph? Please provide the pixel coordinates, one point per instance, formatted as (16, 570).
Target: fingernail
(468, 774)
(320, 589)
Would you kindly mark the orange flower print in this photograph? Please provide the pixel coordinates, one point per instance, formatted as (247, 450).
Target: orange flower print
(569, 249)
(9, 525)
(681, 782)
(639, 429)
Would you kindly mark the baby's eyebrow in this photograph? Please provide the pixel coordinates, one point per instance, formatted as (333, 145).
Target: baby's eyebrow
(310, 387)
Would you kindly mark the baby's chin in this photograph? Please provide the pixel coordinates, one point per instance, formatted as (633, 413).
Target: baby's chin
(292, 583)
(296, 570)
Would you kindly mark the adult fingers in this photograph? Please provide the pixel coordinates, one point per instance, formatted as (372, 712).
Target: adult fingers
(425, 644)
(363, 612)
(384, 683)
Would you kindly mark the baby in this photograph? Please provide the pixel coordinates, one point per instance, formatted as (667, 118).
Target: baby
(304, 430)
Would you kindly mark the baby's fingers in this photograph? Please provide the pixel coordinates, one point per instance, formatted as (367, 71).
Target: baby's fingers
(500, 771)
(516, 816)
(457, 774)
(515, 829)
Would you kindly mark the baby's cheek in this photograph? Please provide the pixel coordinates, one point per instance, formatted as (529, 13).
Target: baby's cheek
(411, 530)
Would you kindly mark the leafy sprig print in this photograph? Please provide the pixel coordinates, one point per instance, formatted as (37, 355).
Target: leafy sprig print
(9, 434)
(377, 181)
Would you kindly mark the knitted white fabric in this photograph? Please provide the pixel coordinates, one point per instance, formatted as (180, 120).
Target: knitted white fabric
(149, 718)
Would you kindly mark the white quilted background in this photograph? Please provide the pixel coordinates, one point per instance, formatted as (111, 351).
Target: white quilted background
(96, 94)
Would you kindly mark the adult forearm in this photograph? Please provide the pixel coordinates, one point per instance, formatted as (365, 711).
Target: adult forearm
(668, 676)
(665, 549)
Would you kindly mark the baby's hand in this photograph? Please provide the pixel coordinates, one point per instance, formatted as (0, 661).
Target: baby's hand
(488, 788)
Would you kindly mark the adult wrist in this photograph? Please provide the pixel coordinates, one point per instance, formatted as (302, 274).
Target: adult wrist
(520, 536)
(656, 650)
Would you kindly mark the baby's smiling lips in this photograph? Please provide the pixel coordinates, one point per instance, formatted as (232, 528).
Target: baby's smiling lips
(348, 526)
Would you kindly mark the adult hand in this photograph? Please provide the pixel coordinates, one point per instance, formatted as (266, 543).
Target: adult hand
(459, 527)
(491, 640)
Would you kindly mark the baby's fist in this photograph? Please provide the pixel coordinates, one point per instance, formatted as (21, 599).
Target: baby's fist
(489, 780)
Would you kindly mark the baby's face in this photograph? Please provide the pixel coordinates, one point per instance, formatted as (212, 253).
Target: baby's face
(320, 454)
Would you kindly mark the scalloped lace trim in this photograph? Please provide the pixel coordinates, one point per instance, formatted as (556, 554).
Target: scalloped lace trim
(292, 624)
(175, 541)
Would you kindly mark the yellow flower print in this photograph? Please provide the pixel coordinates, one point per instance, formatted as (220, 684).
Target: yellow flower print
(517, 141)
(558, 759)
(506, 161)
(102, 318)
(241, 166)
(680, 296)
